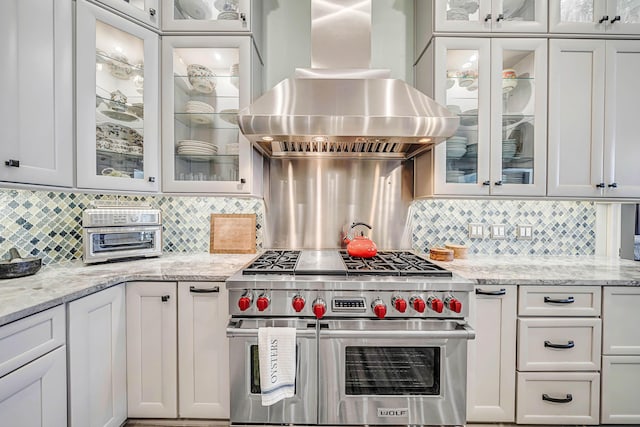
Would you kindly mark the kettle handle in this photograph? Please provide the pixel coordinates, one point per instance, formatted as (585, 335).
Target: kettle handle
(360, 223)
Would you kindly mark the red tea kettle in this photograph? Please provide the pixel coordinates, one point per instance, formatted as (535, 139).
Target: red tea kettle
(360, 246)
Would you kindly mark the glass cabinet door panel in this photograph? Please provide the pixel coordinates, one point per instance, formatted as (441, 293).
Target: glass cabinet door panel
(116, 101)
(206, 101)
(146, 11)
(119, 103)
(518, 122)
(628, 10)
(463, 15)
(198, 15)
(577, 10)
(520, 15)
(579, 16)
(462, 99)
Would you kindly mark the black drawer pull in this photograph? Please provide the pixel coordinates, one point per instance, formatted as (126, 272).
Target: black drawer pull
(548, 398)
(12, 163)
(204, 291)
(493, 293)
(165, 298)
(550, 300)
(569, 344)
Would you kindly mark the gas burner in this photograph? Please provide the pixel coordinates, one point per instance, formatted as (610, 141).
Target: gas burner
(274, 262)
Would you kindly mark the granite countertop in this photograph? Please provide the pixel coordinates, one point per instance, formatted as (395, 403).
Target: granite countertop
(546, 270)
(59, 283)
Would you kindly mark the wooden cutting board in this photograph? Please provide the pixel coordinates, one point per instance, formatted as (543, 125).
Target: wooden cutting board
(233, 234)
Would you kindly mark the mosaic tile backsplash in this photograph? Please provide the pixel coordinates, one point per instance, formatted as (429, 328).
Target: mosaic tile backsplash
(559, 227)
(48, 224)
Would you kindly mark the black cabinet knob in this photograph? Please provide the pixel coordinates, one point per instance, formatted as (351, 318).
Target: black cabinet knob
(500, 18)
(613, 185)
(486, 183)
(12, 163)
(152, 12)
(615, 18)
(243, 181)
(497, 183)
(601, 185)
(152, 179)
(487, 18)
(165, 298)
(603, 19)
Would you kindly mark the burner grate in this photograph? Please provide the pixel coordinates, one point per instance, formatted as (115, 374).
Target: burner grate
(274, 262)
(392, 264)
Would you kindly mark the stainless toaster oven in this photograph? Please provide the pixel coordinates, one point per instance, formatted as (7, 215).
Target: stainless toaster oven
(113, 231)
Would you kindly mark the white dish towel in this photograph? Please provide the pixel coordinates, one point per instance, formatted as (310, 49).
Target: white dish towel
(277, 351)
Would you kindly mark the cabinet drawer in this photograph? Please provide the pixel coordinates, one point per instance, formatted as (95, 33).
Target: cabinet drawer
(559, 301)
(620, 320)
(559, 344)
(27, 339)
(577, 396)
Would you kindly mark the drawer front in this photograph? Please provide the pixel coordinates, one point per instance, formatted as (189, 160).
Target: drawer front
(559, 344)
(27, 339)
(559, 301)
(576, 395)
(620, 320)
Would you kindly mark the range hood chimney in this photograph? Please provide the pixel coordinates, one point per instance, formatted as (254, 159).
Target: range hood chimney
(340, 106)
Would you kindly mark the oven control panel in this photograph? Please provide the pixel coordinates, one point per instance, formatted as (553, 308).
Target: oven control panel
(349, 304)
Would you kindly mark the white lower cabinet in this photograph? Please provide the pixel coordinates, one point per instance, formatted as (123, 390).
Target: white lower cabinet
(203, 356)
(97, 359)
(151, 349)
(558, 398)
(621, 356)
(177, 350)
(33, 371)
(558, 369)
(491, 366)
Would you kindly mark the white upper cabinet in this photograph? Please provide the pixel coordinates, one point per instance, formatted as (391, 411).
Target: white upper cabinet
(146, 11)
(498, 88)
(490, 15)
(214, 15)
(36, 83)
(206, 80)
(593, 148)
(594, 16)
(117, 101)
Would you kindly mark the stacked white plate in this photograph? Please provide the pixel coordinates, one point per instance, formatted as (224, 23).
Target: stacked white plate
(200, 112)
(192, 147)
(456, 147)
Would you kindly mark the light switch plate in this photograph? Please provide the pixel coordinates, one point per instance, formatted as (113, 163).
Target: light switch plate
(476, 231)
(498, 231)
(524, 232)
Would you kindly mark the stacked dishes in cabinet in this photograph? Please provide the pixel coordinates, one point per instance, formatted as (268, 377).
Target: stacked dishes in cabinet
(206, 100)
(119, 108)
(558, 355)
(456, 148)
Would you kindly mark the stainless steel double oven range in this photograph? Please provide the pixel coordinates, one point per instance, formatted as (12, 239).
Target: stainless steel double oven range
(379, 341)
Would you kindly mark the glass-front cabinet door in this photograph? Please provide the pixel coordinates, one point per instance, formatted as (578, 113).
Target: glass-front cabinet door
(462, 79)
(595, 16)
(209, 15)
(491, 15)
(147, 11)
(518, 116)
(206, 80)
(498, 88)
(117, 102)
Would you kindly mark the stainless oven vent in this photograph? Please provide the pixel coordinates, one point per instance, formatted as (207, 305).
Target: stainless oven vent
(341, 101)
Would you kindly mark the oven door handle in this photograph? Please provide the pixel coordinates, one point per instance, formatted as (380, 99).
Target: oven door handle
(462, 332)
(233, 331)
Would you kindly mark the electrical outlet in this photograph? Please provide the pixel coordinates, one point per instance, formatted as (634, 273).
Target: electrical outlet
(476, 231)
(524, 232)
(498, 231)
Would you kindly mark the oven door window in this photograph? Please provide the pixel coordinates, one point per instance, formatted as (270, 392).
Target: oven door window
(392, 371)
(255, 371)
(113, 241)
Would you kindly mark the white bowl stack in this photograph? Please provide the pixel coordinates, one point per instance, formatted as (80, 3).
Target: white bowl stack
(200, 113)
(509, 147)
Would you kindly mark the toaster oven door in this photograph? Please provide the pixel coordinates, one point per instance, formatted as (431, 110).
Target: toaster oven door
(104, 244)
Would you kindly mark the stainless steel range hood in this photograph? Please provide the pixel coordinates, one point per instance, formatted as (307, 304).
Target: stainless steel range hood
(340, 106)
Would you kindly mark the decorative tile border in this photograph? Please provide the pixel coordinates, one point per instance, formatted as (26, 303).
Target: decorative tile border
(559, 227)
(48, 224)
